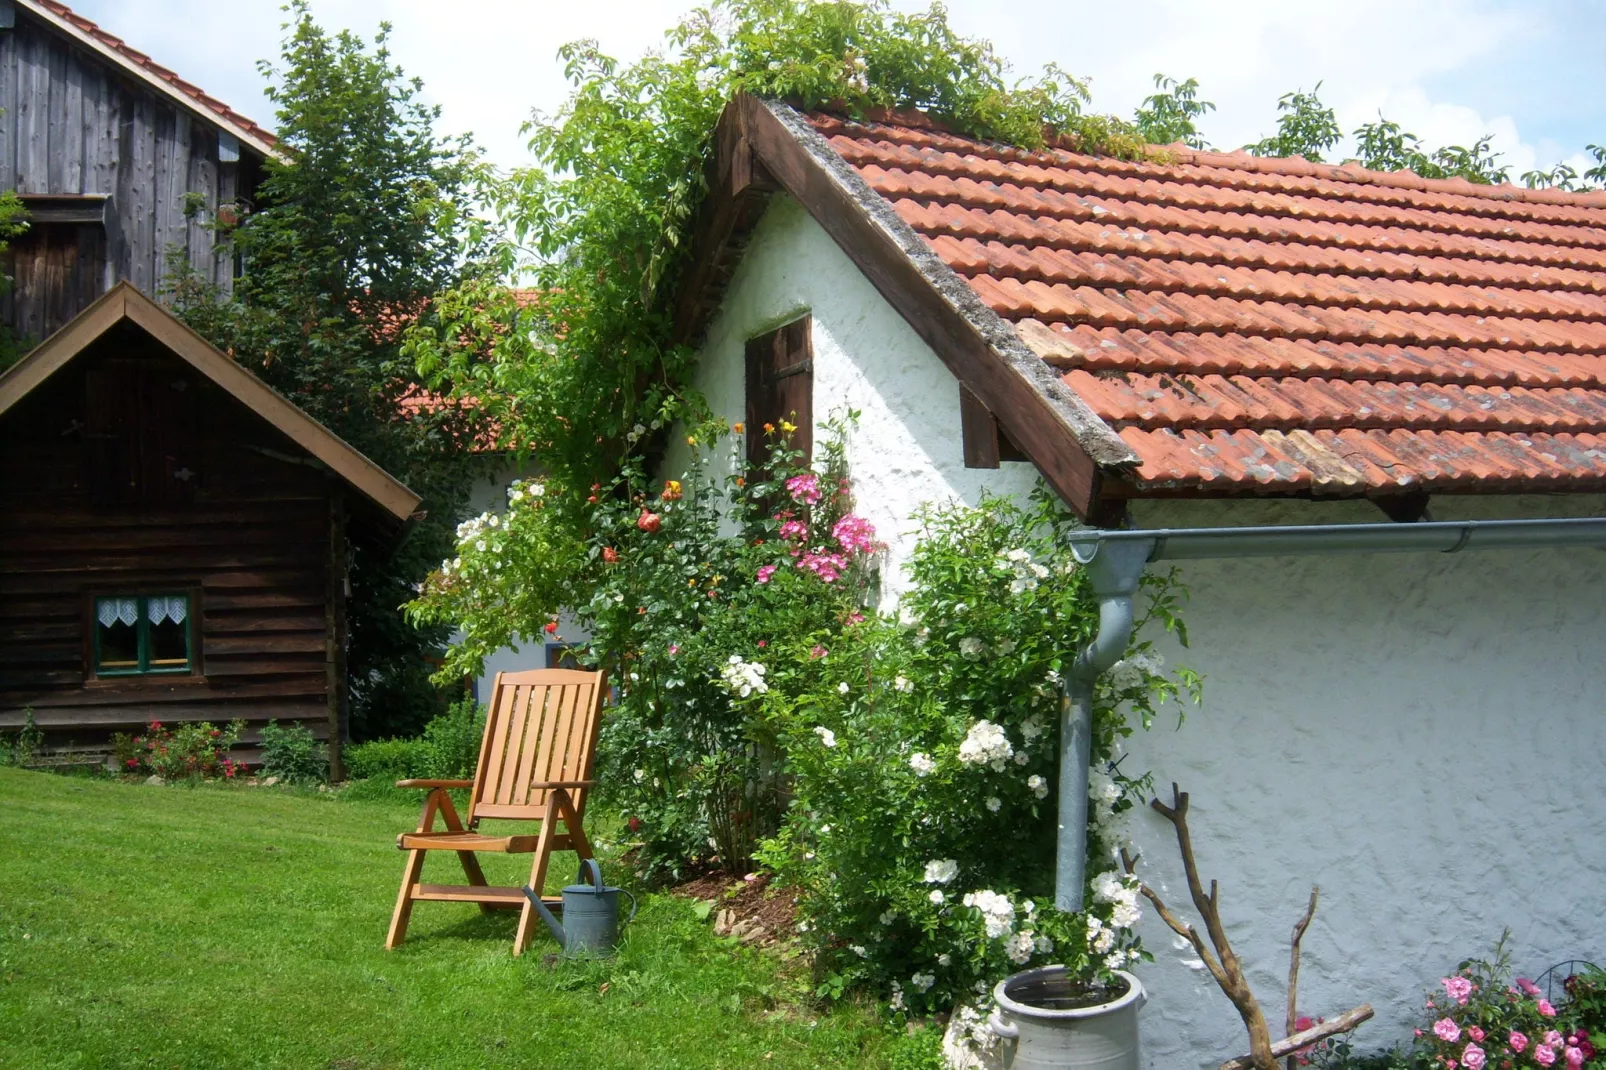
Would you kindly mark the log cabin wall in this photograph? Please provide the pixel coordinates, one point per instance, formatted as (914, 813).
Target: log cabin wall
(127, 472)
(153, 176)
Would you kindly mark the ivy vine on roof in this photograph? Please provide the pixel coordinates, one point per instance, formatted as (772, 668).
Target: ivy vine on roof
(604, 210)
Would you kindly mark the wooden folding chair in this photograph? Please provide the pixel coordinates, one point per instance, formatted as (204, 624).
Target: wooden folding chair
(535, 764)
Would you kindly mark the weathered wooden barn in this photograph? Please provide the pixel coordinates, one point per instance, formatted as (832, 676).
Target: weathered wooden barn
(173, 535)
(120, 162)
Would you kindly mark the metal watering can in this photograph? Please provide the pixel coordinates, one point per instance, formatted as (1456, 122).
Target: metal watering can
(590, 925)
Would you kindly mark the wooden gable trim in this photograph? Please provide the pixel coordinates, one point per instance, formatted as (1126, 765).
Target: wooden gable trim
(148, 78)
(124, 301)
(1066, 440)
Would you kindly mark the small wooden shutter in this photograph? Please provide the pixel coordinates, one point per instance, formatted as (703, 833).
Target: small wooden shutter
(780, 386)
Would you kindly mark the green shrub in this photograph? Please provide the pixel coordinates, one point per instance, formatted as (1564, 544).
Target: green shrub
(386, 759)
(291, 753)
(451, 742)
(23, 747)
(448, 749)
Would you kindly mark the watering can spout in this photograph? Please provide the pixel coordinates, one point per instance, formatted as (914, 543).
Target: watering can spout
(547, 916)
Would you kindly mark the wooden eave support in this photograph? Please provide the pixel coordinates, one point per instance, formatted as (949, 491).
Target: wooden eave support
(761, 146)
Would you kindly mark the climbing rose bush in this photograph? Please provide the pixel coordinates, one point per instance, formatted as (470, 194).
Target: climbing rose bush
(922, 746)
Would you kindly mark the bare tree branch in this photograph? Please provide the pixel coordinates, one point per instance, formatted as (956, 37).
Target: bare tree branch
(1321, 1031)
(1293, 971)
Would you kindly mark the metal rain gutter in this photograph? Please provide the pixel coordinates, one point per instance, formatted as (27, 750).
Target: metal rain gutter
(1115, 559)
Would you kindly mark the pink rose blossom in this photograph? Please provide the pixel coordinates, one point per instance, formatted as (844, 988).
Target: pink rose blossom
(1475, 1033)
(804, 488)
(1446, 1030)
(674, 648)
(1546, 1009)
(794, 529)
(826, 566)
(765, 573)
(1473, 1058)
(1528, 986)
(1517, 1041)
(1544, 1055)
(1575, 1057)
(1459, 989)
(818, 652)
(855, 534)
(1554, 1039)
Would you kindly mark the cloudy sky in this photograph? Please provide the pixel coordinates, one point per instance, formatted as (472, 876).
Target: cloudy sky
(1530, 72)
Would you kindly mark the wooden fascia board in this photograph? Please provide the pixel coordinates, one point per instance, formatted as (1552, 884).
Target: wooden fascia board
(737, 188)
(145, 77)
(1064, 438)
(124, 301)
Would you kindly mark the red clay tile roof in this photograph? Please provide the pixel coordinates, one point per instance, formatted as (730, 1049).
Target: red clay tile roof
(1275, 326)
(158, 72)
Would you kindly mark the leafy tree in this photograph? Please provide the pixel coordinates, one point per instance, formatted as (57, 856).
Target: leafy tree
(1305, 128)
(362, 224)
(1384, 146)
(1167, 116)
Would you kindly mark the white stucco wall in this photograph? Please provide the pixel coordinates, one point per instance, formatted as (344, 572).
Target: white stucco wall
(1418, 734)
(907, 447)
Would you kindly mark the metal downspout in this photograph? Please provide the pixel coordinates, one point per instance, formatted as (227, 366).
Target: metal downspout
(1114, 571)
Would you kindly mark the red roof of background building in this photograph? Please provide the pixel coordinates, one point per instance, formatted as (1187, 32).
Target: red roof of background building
(1276, 326)
(161, 73)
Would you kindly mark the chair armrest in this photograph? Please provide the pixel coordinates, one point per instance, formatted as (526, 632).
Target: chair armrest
(434, 783)
(562, 783)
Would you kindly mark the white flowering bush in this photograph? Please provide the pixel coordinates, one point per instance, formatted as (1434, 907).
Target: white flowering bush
(923, 750)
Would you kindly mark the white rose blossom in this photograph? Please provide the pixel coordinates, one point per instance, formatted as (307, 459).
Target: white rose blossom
(1038, 785)
(921, 763)
(994, 803)
(1018, 947)
(941, 871)
(922, 981)
(997, 912)
(970, 647)
(744, 677)
(903, 683)
(827, 737)
(986, 744)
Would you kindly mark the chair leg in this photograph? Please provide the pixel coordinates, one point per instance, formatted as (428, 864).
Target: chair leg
(538, 867)
(404, 900)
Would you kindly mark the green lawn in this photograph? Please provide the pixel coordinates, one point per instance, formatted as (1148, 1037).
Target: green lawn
(213, 927)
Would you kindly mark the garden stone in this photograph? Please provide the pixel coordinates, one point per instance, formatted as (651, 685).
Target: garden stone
(154, 781)
(268, 782)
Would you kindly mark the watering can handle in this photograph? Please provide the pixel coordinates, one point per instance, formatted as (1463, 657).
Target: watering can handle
(589, 865)
(632, 916)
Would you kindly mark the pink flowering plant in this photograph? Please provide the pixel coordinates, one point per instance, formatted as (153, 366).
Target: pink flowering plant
(1481, 1018)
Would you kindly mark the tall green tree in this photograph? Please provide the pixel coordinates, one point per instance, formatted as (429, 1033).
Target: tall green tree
(361, 225)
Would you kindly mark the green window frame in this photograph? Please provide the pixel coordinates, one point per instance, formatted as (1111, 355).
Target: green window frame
(143, 634)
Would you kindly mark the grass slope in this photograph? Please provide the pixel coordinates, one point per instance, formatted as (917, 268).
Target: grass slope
(208, 927)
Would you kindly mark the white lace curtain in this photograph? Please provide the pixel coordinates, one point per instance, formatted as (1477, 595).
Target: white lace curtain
(173, 607)
(112, 610)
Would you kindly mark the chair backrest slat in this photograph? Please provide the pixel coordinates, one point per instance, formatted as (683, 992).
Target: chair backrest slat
(542, 726)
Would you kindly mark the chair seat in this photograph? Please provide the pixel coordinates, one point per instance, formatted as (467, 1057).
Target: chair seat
(466, 841)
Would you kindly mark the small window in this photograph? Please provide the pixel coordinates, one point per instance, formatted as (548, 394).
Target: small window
(140, 634)
(780, 386)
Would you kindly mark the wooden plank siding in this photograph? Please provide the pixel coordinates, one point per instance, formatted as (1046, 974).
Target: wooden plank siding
(249, 537)
(72, 124)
